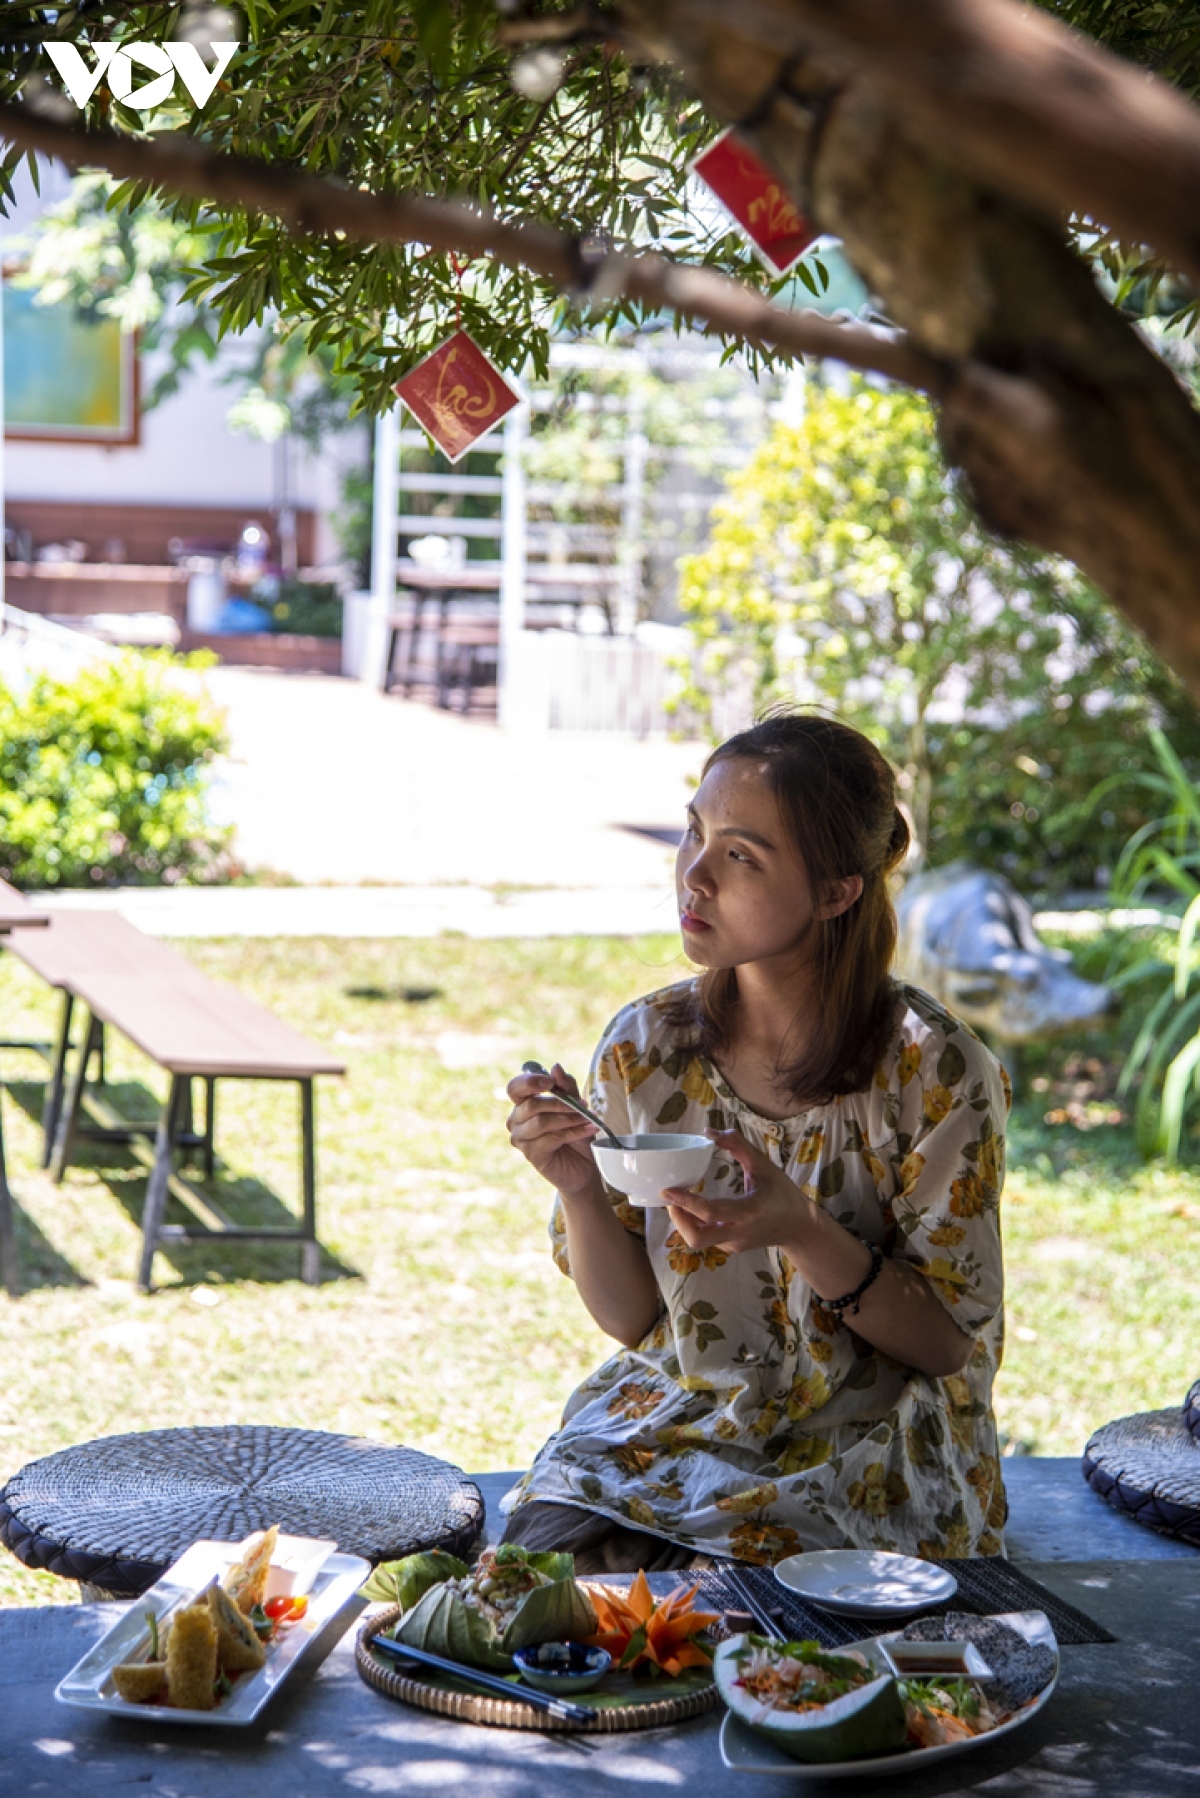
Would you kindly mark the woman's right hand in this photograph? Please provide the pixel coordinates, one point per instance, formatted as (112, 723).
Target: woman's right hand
(553, 1139)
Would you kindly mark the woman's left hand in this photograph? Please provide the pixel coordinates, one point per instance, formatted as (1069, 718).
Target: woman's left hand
(899, 1313)
(769, 1213)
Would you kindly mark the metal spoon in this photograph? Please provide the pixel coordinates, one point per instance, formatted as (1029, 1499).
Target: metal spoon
(535, 1067)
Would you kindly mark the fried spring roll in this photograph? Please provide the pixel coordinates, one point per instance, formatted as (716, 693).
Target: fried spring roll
(246, 1581)
(192, 1659)
(238, 1646)
(141, 1684)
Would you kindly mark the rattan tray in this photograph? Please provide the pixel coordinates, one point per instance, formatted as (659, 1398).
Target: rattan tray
(633, 1712)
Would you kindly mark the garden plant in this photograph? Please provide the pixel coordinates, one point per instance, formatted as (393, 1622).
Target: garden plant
(847, 565)
(1157, 963)
(104, 777)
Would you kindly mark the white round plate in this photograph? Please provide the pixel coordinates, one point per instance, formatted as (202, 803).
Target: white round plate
(858, 1582)
(743, 1751)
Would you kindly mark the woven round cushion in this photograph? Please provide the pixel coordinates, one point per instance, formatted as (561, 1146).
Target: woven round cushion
(1191, 1411)
(1148, 1466)
(118, 1511)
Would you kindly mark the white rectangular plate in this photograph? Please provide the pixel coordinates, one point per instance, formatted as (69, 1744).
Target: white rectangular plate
(743, 1751)
(89, 1684)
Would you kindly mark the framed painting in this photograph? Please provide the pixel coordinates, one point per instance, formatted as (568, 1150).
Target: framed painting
(67, 379)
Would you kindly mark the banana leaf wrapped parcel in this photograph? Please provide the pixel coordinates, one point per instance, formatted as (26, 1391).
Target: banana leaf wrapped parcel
(511, 1599)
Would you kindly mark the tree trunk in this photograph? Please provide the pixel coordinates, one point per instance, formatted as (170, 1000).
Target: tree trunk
(1070, 431)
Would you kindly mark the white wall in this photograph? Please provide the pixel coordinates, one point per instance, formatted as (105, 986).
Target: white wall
(187, 453)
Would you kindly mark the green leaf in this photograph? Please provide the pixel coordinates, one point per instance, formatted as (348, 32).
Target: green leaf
(1180, 1074)
(442, 1623)
(1184, 945)
(404, 1582)
(555, 1564)
(435, 29)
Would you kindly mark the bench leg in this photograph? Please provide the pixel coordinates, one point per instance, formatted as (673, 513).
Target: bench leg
(52, 1109)
(310, 1254)
(155, 1206)
(389, 664)
(69, 1121)
(8, 1233)
(210, 1126)
(410, 644)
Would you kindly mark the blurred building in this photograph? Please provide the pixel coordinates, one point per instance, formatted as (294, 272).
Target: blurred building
(110, 511)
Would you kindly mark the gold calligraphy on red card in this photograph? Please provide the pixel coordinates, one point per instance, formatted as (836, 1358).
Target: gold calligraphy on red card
(457, 395)
(755, 199)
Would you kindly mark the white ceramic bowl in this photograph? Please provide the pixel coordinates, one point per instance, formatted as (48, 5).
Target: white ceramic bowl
(647, 1164)
(295, 1565)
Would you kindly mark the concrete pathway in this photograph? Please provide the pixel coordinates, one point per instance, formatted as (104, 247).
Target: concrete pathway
(399, 820)
(470, 911)
(330, 781)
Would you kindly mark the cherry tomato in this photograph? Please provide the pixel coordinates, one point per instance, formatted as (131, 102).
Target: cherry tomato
(285, 1610)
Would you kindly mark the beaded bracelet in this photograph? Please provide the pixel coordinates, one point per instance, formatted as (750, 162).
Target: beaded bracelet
(838, 1306)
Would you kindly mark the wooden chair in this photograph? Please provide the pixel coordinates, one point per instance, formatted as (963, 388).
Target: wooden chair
(468, 658)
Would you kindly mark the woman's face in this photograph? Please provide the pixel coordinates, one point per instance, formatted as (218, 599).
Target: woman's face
(742, 890)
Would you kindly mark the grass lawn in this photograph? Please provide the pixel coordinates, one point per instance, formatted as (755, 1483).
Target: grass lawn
(441, 1321)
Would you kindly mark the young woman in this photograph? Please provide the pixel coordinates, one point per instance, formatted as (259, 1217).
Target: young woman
(811, 1335)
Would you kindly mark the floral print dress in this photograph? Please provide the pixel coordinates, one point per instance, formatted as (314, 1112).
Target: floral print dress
(750, 1422)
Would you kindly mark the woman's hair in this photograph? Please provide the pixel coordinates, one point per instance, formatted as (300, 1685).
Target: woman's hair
(837, 800)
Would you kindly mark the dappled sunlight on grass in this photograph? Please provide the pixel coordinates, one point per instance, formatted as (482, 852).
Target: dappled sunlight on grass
(1102, 1256)
(440, 1321)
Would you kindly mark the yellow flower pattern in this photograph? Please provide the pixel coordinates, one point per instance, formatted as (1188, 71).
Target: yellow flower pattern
(751, 1422)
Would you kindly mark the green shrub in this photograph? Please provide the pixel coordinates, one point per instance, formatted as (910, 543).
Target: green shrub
(1017, 798)
(104, 777)
(847, 566)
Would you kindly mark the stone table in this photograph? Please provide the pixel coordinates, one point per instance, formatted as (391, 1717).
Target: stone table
(1124, 1720)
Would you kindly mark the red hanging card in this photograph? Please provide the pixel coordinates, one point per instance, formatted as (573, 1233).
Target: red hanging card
(754, 197)
(457, 395)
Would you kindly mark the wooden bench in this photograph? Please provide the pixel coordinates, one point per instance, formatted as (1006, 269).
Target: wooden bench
(192, 1027)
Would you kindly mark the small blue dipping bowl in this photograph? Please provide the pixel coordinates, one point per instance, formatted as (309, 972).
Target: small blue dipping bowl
(562, 1666)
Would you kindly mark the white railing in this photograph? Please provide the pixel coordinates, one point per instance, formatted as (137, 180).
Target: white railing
(31, 644)
(562, 680)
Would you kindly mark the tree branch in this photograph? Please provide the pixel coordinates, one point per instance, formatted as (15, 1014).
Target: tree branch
(1072, 434)
(1039, 110)
(309, 204)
